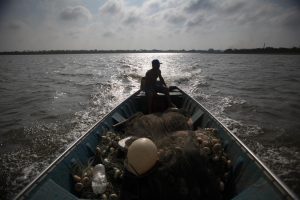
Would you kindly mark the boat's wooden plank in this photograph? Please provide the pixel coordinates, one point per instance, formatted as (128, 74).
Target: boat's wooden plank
(118, 117)
(197, 116)
(93, 139)
(90, 147)
(132, 106)
(50, 190)
(62, 173)
(260, 190)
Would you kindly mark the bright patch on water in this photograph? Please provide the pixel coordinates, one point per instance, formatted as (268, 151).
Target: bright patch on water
(45, 109)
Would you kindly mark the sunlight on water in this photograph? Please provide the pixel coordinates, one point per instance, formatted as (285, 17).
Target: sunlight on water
(45, 109)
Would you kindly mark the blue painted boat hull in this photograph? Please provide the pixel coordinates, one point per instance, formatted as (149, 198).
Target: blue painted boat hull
(253, 179)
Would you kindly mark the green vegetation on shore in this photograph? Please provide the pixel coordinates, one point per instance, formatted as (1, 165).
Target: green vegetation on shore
(267, 50)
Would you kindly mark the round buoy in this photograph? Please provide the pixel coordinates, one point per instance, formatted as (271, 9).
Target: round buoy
(141, 156)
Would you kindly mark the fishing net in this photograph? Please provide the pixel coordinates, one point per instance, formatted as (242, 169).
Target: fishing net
(192, 164)
(157, 125)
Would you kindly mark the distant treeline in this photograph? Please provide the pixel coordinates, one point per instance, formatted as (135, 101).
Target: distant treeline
(99, 51)
(267, 50)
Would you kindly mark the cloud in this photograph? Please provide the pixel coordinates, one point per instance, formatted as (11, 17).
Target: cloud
(231, 7)
(151, 7)
(4, 5)
(196, 5)
(196, 21)
(15, 25)
(122, 24)
(132, 18)
(75, 13)
(112, 7)
(175, 18)
(291, 20)
(108, 34)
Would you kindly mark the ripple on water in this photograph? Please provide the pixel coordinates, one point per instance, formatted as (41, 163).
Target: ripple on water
(71, 92)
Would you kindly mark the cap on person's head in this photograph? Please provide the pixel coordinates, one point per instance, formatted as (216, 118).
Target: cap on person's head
(156, 62)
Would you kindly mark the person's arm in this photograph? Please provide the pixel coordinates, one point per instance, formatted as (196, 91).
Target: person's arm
(147, 80)
(161, 78)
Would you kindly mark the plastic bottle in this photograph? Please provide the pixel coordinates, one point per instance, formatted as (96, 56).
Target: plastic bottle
(99, 181)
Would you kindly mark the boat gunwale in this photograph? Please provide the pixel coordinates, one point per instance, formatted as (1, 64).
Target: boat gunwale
(272, 177)
(39, 177)
(281, 186)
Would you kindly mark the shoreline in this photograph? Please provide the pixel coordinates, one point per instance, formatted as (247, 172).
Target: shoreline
(267, 51)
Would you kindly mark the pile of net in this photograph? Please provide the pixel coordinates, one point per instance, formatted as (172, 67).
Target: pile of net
(157, 125)
(192, 163)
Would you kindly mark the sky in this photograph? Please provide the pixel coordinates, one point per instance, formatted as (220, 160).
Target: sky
(148, 24)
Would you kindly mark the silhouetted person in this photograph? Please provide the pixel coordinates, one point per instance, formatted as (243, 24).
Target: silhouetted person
(152, 86)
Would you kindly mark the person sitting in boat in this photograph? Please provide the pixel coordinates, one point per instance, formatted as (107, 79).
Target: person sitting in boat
(152, 86)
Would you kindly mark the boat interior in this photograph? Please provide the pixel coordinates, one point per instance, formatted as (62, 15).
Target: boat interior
(252, 179)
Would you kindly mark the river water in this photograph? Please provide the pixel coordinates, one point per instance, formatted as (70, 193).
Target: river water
(48, 101)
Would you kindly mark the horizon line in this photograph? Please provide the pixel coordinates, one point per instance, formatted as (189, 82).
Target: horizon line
(210, 50)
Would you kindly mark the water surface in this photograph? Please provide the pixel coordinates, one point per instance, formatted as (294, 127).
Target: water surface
(48, 101)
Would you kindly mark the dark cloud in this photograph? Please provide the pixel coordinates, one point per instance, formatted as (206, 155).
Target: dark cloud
(15, 25)
(74, 34)
(234, 7)
(108, 34)
(131, 18)
(5, 7)
(286, 3)
(292, 21)
(75, 13)
(295, 3)
(196, 21)
(175, 18)
(4, 4)
(196, 5)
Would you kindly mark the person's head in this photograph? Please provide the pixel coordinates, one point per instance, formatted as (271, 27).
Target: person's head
(155, 64)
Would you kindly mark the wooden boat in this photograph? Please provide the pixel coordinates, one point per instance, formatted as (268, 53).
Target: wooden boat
(254, 181)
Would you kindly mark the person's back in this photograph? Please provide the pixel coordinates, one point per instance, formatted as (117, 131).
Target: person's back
(151, 78)
(153, 86)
